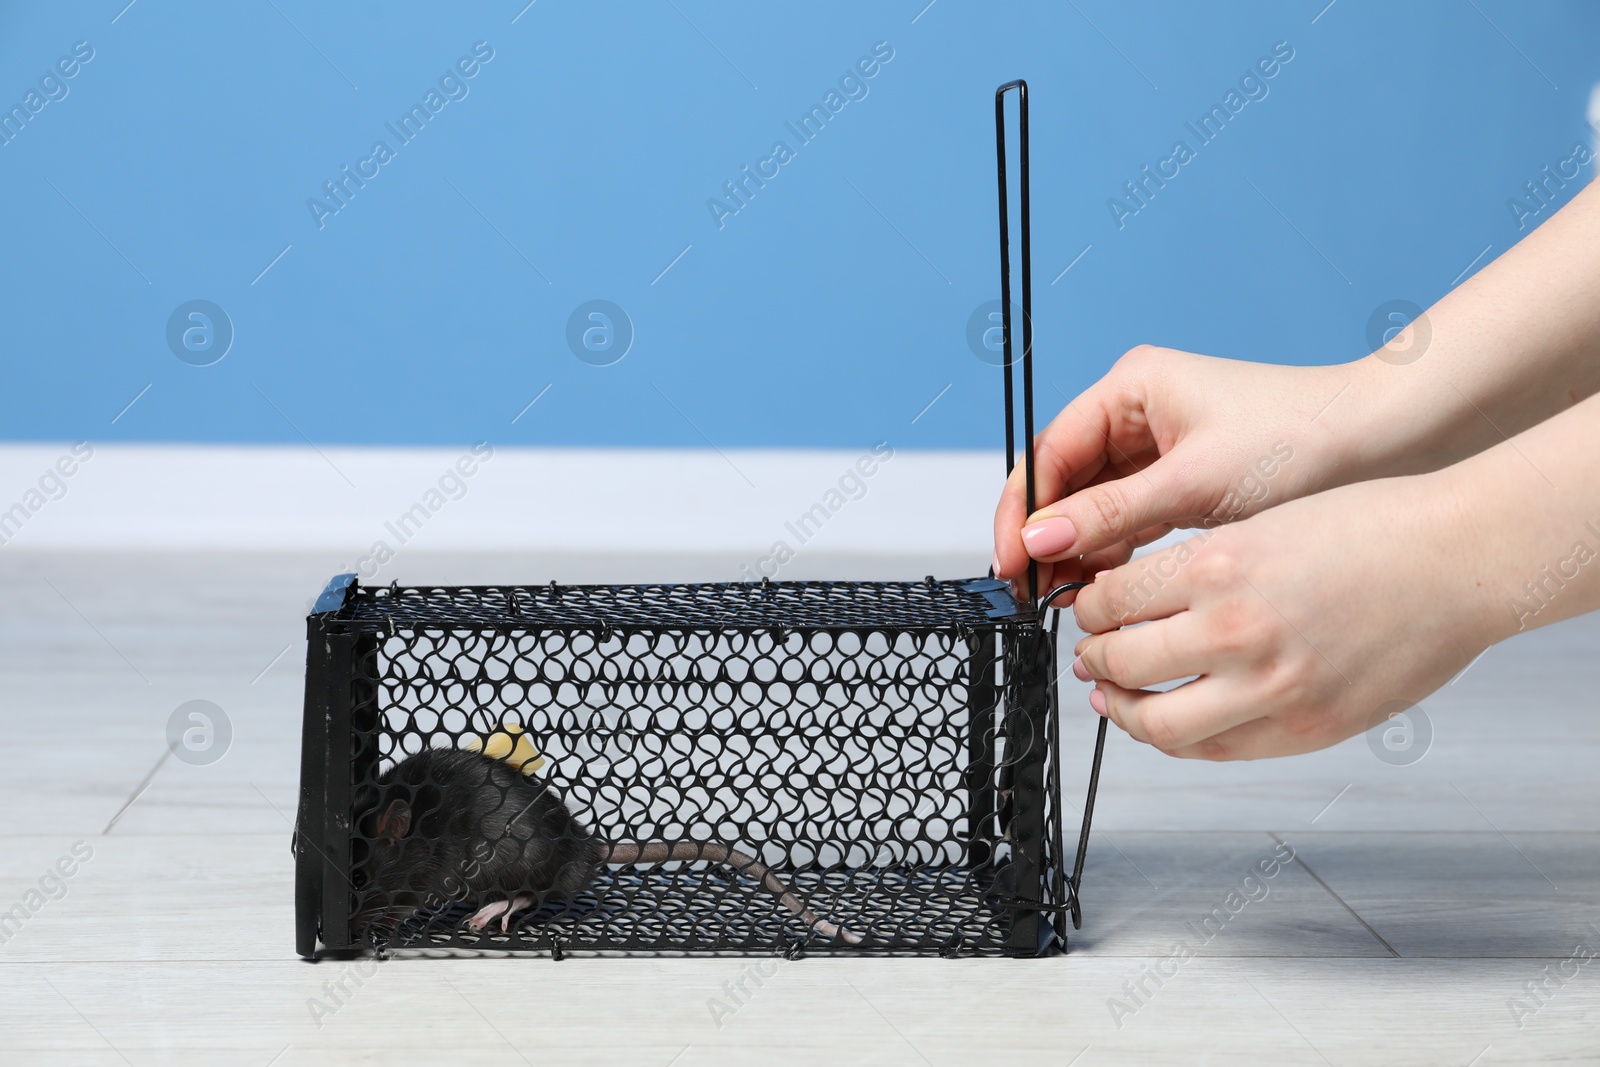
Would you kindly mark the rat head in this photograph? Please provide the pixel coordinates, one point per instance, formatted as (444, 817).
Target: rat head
(407, 853)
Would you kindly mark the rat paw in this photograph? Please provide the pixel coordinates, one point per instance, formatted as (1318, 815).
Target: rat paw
(520, 901)
(486, 914)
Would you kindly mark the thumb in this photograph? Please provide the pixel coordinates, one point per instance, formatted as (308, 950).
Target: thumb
(1104, 514)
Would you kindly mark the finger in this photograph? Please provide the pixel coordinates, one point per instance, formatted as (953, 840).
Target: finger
(1114, 464)
(1178, 719)
(1151, 534)
(1150, 587)
(1117, 704)
(1103, 513)
(1111, 473)
(1070, 452)
(1256, 739)
(1141, 656)
(1057, 471)
(1082, 569)
(1050, 575)
(1052, 481)
(1054, 575)
(1104, 560)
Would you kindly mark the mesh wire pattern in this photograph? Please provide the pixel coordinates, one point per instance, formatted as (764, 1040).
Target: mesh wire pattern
(742, 606)
(887, 751)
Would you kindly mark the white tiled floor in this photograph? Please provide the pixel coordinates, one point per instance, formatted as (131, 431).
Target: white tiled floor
(1424, 898)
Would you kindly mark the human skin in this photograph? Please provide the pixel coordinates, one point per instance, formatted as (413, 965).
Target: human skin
(1420, 493)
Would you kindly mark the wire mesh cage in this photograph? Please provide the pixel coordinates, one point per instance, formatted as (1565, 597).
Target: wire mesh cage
(831, 767)
(883, 755)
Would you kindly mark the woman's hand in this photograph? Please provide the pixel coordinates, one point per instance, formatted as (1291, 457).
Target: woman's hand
(1173, 439)
(1301, 623)
(1166, 439)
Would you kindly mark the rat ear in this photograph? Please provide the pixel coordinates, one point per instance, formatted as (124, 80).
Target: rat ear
(395, 820)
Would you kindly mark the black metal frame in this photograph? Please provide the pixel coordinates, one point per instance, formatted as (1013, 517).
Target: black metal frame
(1004, 883)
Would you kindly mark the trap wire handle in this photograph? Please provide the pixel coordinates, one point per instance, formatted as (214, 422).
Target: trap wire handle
(1027, 296)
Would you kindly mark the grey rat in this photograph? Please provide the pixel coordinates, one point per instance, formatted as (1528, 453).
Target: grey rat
(451, 825)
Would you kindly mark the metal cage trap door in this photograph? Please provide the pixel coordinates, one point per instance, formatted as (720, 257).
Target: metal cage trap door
(1037, 680)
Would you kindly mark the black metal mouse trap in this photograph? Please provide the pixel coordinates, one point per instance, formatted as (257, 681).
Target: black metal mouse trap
(888, 750)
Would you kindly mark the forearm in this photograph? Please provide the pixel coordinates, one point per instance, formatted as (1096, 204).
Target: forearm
(1515, 344)
(1528, 540)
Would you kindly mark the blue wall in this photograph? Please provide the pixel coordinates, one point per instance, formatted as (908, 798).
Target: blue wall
(579, 160)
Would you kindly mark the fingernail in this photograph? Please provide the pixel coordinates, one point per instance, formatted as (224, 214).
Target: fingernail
(994, 566)
(1050, 537)
(1097, 701)
(1080, 671)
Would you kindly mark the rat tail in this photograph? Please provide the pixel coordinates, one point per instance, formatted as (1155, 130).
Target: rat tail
(663, 852)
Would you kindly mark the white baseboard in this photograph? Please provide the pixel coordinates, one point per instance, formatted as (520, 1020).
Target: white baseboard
(250, 498)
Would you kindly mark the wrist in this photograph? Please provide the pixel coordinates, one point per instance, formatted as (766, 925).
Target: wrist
(1354, 434)
(1480, 546)
(1385, 421)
